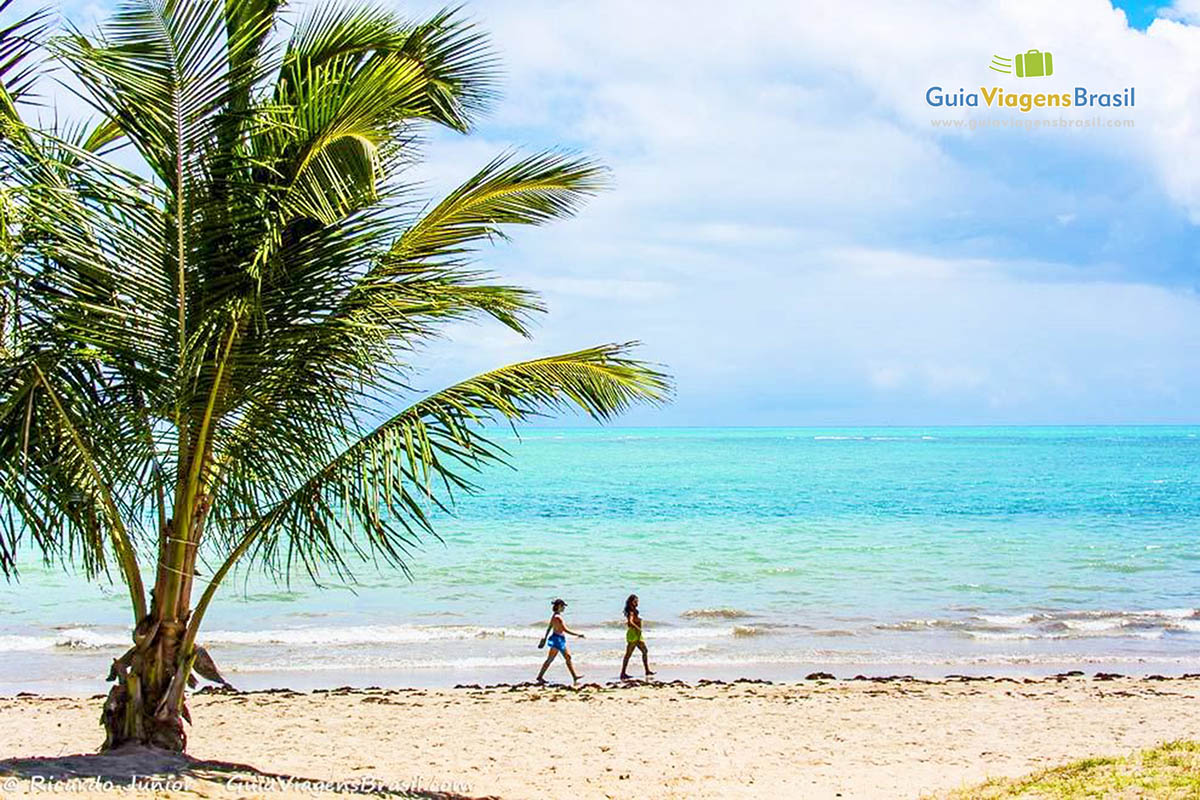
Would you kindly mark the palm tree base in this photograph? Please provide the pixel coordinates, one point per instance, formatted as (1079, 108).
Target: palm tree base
(145, 707)
(128, 721)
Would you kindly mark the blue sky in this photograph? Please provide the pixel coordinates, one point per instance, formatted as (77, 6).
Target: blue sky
(792, 237)
(1140, 13)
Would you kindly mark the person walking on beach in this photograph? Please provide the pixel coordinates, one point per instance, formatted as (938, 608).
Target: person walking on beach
(633, 637)
(556, 638)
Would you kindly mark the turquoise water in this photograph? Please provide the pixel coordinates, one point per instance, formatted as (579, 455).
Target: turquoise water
(758, 552)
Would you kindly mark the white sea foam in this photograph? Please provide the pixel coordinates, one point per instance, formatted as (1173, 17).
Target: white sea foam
(1189, 625)
(715, 613)
(345, 661)
(399, 634)
(1012, 619)
(89, 639)
(749, 630)
(693, 657)
(1006, 636)
(11, 644)
(358, 636)
(1052, 625)
(1066, 624)
(1174, 613)
(67, 638)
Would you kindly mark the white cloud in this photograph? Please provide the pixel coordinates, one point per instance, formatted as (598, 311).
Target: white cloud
(885, 336)
(835, 93)
(776, 163)
(1182, 11)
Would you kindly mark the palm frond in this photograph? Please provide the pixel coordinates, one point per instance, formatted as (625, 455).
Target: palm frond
(508, 191)
(19, 68)
(423, 278)
(374, 497)
(65, 459)
(158, 70)
(248, 27)
(455, 61)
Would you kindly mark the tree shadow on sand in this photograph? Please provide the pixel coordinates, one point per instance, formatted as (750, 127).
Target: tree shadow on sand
(139, 767)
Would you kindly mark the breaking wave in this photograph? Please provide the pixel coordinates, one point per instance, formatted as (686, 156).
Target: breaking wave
(1149, 624)
(715, 613)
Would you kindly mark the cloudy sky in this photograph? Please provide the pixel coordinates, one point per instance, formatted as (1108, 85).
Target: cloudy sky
(793, 237)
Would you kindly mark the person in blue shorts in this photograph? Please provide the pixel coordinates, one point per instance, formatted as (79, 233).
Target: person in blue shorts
(556, 639)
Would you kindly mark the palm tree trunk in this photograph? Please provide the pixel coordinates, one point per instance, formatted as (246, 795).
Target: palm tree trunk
(146, 707)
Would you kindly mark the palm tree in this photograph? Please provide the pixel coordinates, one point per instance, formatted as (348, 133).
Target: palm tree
(208, 349)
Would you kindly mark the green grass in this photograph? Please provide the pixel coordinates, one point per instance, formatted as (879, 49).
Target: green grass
(1170, 771)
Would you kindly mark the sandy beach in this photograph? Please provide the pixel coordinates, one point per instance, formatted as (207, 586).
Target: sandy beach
(816, 739)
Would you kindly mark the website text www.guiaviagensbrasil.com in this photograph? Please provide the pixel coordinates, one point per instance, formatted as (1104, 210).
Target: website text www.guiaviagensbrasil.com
(1027, 124)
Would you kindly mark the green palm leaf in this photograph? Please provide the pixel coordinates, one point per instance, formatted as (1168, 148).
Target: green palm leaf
(508, 191)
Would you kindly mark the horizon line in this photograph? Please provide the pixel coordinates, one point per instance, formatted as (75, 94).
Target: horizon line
(609, 425)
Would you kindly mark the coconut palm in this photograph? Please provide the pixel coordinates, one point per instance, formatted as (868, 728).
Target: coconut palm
(208, 349)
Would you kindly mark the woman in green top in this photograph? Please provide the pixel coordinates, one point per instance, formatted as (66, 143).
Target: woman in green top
(633, 637)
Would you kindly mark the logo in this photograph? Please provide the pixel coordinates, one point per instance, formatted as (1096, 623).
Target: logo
(1030, 64)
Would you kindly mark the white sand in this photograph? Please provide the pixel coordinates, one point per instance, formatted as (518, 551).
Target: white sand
(850, 739)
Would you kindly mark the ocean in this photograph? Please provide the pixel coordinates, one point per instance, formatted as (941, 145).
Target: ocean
(762, 553)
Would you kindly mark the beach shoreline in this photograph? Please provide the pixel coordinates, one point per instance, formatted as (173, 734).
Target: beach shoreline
(872, 737)
(91, 682)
